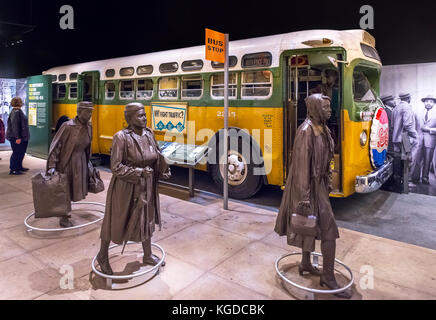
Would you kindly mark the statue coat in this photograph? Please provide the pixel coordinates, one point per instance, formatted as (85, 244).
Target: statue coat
(69, 153)
(309, 180)
(132, 203)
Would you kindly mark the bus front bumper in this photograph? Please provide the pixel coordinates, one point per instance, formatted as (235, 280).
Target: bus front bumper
(373, 181)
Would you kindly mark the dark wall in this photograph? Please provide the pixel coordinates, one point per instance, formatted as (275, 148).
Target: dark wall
(107, 29)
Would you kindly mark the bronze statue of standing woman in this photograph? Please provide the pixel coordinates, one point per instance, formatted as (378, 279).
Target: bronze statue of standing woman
(132, 203)
(307, 193)
(70, 152)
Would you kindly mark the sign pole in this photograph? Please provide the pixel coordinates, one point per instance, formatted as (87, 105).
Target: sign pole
(217, 50)
(226, 124)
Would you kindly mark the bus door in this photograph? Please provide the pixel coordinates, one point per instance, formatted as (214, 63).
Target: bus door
(302, 81)
(297, 89)
(87, 86)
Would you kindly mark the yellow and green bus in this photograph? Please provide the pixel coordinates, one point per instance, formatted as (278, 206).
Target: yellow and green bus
(269, 77)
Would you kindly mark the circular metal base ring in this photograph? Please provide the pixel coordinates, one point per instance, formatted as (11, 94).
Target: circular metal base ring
(133, 275)
(31, 228)
(283, 277)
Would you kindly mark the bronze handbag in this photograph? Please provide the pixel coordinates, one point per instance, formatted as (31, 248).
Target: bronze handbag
(51, 195)
(95, 184)
(302, 225)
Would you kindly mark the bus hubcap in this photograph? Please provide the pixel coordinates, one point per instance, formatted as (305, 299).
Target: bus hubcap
(237, 172)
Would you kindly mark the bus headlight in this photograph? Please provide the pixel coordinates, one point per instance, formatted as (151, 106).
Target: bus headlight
(363, 138)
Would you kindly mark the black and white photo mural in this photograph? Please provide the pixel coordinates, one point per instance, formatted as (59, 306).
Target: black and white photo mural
(409, 94)
(10, 88)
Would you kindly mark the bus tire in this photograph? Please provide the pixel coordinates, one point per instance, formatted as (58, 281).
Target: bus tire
(243, 184)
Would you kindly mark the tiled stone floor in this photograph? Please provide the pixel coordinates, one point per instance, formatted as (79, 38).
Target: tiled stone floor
(211, 254)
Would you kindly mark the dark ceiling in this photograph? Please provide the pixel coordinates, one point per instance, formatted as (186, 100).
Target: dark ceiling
(405, 32)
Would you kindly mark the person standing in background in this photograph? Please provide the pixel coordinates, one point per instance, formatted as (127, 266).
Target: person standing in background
(403, 122)
(18, 135)
(425, 120)
(2, 132)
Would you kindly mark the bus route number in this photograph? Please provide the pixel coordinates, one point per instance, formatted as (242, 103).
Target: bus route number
(220, 114)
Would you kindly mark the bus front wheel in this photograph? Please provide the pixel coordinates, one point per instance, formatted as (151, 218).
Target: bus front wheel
(242, 182)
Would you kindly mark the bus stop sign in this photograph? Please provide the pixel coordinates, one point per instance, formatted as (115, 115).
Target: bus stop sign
(215, 46)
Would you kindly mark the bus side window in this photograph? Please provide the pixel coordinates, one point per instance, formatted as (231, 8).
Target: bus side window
(144, 89)
(256, 84)
(62, 91)
(126, 89)
(109, 89)
(168, 88)
(217, 85)
(73, 91)
(192, 87)
(54, 91)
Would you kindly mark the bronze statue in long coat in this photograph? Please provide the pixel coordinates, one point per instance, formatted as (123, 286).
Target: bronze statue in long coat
(307, 190)
(70, 152)
(132, 203)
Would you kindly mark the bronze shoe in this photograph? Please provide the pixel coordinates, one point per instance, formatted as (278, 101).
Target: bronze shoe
(104, 265)
(152, 260)
(333, 285)
(64, 222)
(308, 268)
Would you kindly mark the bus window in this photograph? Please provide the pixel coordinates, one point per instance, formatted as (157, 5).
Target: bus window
(127, 72)
(256, 84)
(144, 90)
(54, 91)
(362, 89)
(192, 65)
(169, 67)
(233, 60)
(217, 86)
(62, 91)
(126, 89)
(168, 88)
(73, 91)
(192, 86)
(141, 70)
(110, 73)
(109, 90)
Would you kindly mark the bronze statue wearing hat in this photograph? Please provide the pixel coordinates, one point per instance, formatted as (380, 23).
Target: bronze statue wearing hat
(132, 203)
(306, 195)
(426, 127)
(70, 152)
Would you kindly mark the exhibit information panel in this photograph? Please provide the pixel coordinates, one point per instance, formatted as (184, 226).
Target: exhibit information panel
(170, 117)
(39, 93)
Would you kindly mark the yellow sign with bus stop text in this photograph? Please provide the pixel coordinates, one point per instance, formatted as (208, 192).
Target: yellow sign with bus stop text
(215, 46)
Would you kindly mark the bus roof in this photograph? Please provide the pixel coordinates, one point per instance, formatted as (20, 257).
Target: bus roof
(350, 40)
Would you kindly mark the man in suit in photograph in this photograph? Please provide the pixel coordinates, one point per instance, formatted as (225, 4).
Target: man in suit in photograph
(404, 140)
(425, 119)
(389, 103)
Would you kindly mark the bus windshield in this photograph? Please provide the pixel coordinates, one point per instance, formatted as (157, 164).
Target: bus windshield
(362, 89)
